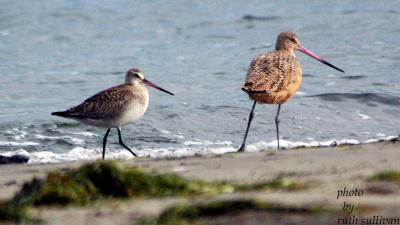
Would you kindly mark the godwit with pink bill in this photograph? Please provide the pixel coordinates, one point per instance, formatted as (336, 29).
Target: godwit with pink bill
(274, 77)
(115, 107)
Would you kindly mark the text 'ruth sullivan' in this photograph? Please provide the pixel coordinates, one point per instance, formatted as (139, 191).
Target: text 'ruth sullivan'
(375, 220)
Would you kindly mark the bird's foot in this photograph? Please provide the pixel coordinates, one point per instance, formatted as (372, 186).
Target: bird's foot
(242, 148)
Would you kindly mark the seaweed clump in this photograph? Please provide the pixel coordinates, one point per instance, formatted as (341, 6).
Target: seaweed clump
(93, 181)
(194, 214)
(388, 175)
(277, 183)
(9, 212)
(101, 180)
(106, 179)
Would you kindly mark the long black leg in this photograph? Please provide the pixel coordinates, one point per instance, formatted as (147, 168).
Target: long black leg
(241, 149)
(105, 142)
(122, 143)
(277, 124)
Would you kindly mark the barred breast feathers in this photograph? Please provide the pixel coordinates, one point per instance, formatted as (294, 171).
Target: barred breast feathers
(271, 72)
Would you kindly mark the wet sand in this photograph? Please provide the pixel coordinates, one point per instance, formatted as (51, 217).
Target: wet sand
(325, 170)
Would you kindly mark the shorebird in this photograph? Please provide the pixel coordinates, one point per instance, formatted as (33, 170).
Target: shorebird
(115, 107)
(274, 77)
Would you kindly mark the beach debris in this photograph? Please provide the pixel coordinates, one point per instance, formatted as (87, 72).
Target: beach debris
(15, 159)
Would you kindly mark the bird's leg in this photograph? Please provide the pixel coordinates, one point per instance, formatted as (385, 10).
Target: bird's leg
(241, 149)
(122, 143)
(105, 142)
(277, 124)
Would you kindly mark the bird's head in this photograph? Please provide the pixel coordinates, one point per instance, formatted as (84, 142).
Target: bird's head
(287, 41)
(135, 75)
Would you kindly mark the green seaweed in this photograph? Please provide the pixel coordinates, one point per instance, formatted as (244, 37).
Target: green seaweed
(10, 212)
(108, 179)
(101, 180)
(190, 214)
(277, 183)
(388, 175)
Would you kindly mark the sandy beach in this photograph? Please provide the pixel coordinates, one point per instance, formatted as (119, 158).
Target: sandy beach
(325, 171)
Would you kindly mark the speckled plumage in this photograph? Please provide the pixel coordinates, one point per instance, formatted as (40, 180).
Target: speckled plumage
(107, 108)
(273, 77)
(115, 106)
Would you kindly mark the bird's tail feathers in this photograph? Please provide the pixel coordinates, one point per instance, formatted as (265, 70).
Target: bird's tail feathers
(61, 113)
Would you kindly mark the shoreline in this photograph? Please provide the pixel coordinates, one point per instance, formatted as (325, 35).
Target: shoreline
(327, 170)
(79, 153)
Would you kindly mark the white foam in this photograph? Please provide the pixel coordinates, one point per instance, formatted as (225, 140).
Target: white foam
(18, 134)
(330, 84)
(165, 131)
(85, 133)
(289, 144)
(388, 138)
(206, 143)
(178, 136)
(14, 143)
(74, 140)
(191, 148)
(363, 116)
(76, 154)
(169, 133)
(5, 32)
(300, 93)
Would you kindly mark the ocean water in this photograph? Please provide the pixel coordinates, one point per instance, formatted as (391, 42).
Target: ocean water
(55, 54)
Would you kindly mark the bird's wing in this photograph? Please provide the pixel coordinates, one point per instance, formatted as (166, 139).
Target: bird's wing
(271, 72)
(105, 104)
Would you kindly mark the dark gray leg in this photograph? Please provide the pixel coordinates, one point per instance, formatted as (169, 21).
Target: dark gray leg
(105, 142)
(241, 149)
(277, 124)
(122, 143)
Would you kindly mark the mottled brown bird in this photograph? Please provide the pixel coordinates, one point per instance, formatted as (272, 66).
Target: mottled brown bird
(274, 77)
(115, 107)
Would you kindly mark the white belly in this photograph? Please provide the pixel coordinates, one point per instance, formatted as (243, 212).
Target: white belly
(132, 112)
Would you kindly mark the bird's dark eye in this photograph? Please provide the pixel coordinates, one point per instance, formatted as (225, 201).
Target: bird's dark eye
(292, 39)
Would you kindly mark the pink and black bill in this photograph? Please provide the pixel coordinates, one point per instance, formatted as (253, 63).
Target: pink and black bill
(156, 87)
(313, 55)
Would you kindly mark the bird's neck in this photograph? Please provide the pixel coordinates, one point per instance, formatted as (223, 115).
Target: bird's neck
(287, 51)
(133, 82)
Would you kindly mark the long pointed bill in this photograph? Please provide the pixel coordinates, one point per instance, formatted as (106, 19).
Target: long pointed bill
(310, 53)
(155, 86)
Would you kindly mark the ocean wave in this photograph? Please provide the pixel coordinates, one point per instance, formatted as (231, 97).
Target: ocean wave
(354, 77)
(364, 98)
(206, 143)
(199, 148)
(14, 143)
(73, 140)
(85, 133)
(76, 154)
(249, 17)
(17, 134)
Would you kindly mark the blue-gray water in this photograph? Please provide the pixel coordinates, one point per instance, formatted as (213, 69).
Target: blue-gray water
(54, 54)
